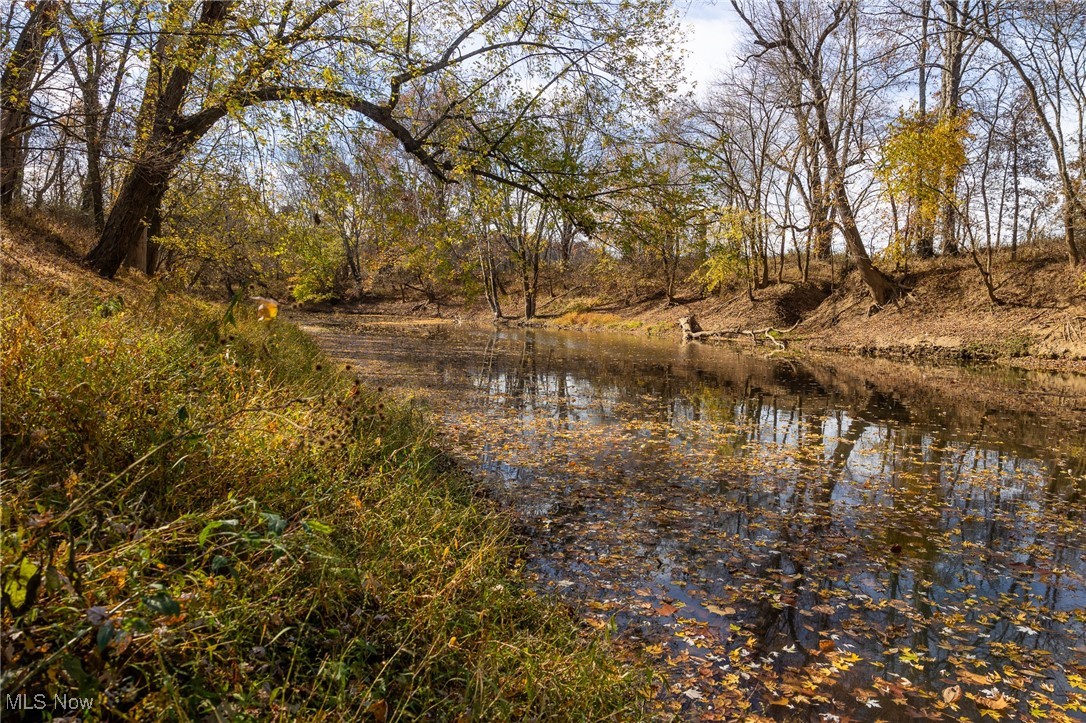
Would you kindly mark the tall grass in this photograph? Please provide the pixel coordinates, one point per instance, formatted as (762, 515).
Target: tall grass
(202, 519)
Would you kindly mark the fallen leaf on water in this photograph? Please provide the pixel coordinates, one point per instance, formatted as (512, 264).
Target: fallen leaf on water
(952, 694)
(995, 701)
(966, 677)
(666, 609)
(720, 611)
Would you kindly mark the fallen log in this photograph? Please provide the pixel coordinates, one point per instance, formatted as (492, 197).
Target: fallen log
(690, 326)
(692, 331)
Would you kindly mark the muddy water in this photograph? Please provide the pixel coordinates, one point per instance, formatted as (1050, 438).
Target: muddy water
(779, 539)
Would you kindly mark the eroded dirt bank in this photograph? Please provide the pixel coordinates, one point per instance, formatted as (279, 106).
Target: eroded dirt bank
(943, 313)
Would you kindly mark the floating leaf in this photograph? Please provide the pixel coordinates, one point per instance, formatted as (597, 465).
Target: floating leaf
(994, 701)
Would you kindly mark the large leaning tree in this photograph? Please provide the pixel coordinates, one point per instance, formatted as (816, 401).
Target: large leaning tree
(811, 49)
(451, 81)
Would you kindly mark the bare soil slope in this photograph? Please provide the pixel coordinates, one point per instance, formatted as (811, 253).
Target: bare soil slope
(945, 312)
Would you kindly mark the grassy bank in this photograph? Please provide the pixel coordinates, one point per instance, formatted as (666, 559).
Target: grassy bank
(202, 518)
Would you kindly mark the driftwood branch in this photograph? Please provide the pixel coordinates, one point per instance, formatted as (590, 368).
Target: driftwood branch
(692, 331)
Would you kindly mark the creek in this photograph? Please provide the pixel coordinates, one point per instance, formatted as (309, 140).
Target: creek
(799, 540)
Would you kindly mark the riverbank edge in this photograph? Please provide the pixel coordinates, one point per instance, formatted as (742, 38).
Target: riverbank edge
(279, 531)
(1034, 318)
(934, 349)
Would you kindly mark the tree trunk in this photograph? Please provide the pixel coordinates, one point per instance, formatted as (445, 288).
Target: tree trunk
(144, 256)
(689, 326)
(58, 169)
(881, 287)
(529, 296)
(1069, 228)
(165, 145)
(16, 86)
(922, 79)
(154, 250)
(952, 64)
(137, 202)
(490, 276)
(96, 119)
(1017, 192)
(823, 232)
(93, 201)
(137, 254)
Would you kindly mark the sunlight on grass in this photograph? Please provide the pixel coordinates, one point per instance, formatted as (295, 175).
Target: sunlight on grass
(203, 518)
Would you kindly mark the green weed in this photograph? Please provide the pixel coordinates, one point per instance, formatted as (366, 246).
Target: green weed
(202, 518)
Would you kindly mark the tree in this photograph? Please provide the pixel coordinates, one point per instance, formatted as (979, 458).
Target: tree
(802, 36)
(958, 44)
(737, 140)
(482, 207)
(731, 245)
(357, 187)
(1045, 44)
(665, 217)
(524, 225)
(922, 159)
(89, 73)
(440, 68)
(16, 88)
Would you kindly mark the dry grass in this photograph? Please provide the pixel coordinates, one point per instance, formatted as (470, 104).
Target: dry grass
(202, 519)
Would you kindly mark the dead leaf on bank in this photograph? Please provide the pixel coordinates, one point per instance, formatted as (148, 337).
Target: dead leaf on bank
(379, 711)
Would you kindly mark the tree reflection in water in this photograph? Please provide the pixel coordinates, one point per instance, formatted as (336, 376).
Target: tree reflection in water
(782, 539)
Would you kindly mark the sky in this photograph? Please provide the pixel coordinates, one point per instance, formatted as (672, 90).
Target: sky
(713, 39)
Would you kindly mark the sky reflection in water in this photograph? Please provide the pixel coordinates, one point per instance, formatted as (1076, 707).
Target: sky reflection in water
(780, 538)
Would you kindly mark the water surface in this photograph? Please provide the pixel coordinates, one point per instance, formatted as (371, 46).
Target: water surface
(781, 539)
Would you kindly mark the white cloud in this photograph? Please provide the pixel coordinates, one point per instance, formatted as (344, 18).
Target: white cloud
(713, 39)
